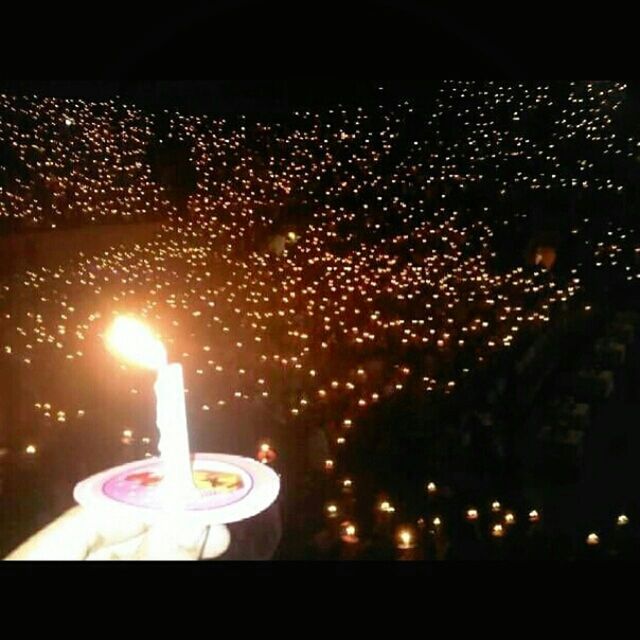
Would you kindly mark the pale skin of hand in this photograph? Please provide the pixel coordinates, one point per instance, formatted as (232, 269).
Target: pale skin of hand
(77, 536)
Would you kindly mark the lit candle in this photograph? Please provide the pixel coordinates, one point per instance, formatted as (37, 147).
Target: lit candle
(266, 454)
(332, 510)
(133, 341)
(386, 507)
(348, 532)
(406, 539)
(593, 539)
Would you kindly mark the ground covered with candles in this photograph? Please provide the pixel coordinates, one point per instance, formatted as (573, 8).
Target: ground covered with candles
(423, 315)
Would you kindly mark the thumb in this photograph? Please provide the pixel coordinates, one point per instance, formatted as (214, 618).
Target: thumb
(66, 538)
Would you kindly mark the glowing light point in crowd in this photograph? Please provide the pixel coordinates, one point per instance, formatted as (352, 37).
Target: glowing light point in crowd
(332, 510)
(266, 455)
(134, 342)
(405, 539)
(349, 533)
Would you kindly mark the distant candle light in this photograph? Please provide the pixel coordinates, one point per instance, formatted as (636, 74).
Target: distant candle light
(349, 532)
(405, 539)
(386, 507)
(332, 510)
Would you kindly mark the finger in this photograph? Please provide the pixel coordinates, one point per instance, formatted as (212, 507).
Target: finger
(184, 543)
(128, 550)
(115, 531)
(155, 547)
(66, 538)
(216, 542)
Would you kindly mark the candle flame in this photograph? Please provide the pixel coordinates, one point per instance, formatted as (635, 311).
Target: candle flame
(133, 341)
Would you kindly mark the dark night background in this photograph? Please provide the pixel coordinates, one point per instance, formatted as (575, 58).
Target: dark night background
(338, 52)
(350, 39)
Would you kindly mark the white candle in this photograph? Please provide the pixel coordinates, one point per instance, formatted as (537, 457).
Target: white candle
(171, 420)
(134, 342)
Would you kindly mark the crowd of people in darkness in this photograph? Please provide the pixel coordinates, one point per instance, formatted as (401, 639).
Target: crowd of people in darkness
(375, 294)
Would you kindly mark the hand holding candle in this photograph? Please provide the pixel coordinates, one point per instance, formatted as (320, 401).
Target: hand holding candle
(78, 535)
(168, 508)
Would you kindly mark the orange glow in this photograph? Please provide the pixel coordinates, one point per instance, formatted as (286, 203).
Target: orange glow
(134, 342)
